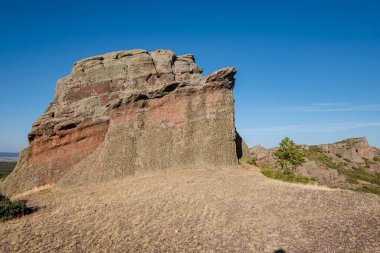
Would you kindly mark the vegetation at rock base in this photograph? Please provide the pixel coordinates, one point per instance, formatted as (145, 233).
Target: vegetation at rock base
(353, 175)
(253, 161)
(289, 155)
(368, 163)
(6, 168)
(13, 209)
(347, 160)
(287, 176)
(369, 189)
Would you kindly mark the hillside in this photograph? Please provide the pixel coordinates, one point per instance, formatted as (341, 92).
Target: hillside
(198, 210)
(6, 167)
(8, 162)
(348, 164)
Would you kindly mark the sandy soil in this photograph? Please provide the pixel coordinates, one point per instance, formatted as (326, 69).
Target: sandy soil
(234, 210)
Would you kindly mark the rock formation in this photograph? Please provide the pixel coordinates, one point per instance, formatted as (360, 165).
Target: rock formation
(127, 112)
(350, 163)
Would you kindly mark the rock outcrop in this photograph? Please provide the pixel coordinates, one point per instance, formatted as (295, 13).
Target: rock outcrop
(127, 112)
(350, 163)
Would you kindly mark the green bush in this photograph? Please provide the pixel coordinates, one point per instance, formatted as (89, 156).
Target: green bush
(13, 209)
(289, 155)
(287, 176)
(347, 160)
(316, 149)
(376, 159)
(354, 174)
(315, 155)
(369, 189)
(368, 162)
(359, 174)
(253, 161)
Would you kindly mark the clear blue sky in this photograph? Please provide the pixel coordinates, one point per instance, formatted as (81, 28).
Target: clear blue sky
(309, 70)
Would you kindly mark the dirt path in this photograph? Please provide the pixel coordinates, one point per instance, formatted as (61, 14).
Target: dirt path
(235, 210)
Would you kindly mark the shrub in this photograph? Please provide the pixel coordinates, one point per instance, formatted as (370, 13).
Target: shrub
(343, 164)
(359, 174)
(287, 176)
(253, 161)
(13, 209)
(376, 159)
(369, 189)
(316, 149)
(353, 175)
(339, 155)
(368, 163)
(347, 160)
(289, 155)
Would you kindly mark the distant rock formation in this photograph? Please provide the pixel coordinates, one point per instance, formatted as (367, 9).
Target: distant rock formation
(350, 163)
(127, 112)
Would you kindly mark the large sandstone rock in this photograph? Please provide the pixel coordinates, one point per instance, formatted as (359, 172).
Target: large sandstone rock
(127, 112)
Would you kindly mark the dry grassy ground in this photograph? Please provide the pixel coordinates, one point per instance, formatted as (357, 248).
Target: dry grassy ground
(236, 210)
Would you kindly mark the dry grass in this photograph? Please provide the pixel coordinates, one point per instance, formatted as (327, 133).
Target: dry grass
(33, 191)
(235, 210)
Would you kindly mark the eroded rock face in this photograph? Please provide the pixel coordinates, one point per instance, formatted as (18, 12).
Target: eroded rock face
(354, 149)
(128, 112)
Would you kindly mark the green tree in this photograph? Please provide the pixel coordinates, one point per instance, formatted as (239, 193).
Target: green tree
(289, 155)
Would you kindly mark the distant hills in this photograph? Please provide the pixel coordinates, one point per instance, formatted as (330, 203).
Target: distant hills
(8, 156)
(8, 161)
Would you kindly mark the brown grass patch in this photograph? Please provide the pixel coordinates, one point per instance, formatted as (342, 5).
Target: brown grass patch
(234, 210)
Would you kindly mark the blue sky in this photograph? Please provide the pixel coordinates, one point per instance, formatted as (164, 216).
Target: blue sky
(309, 70)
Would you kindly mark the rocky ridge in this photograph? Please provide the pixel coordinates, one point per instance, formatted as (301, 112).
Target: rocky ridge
(350, 163)
(127, 112)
